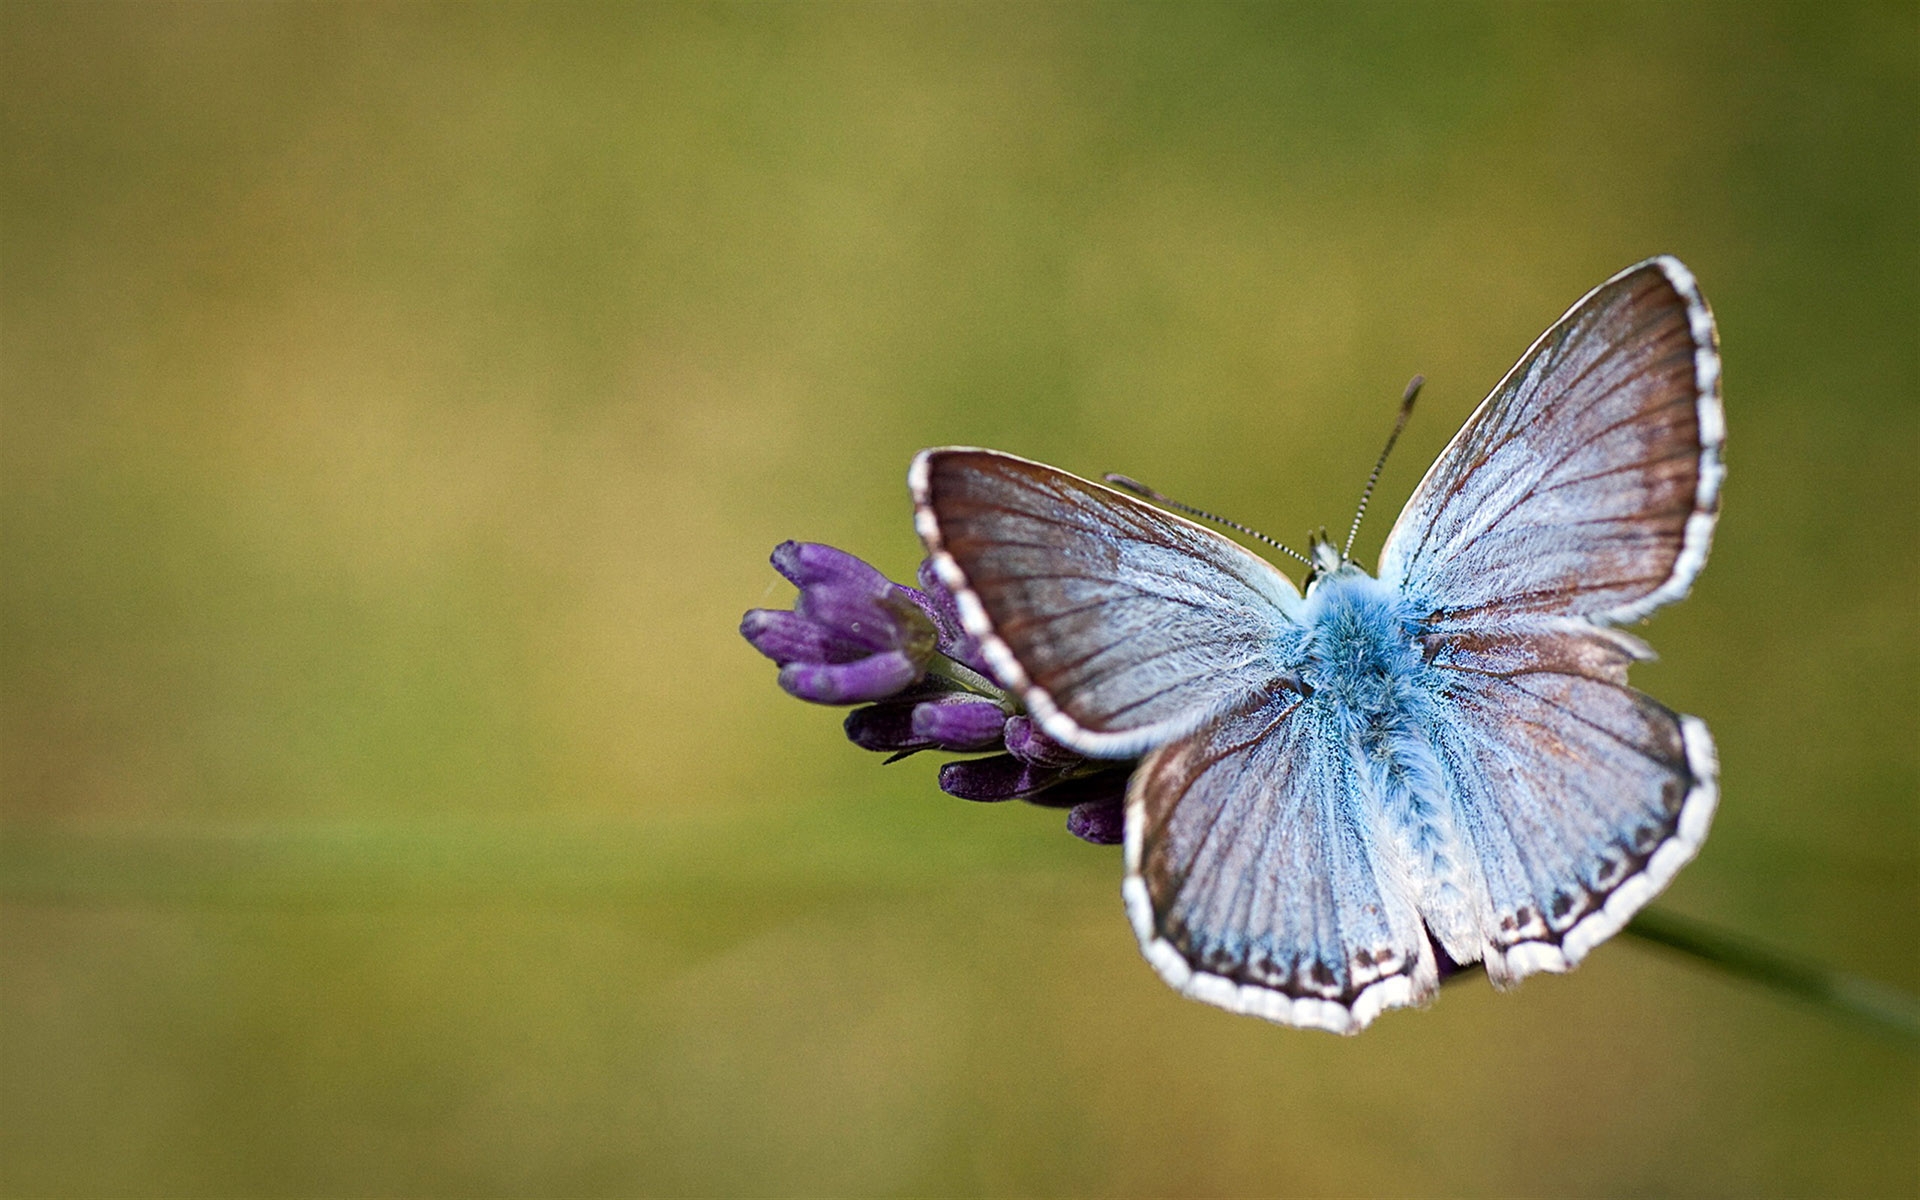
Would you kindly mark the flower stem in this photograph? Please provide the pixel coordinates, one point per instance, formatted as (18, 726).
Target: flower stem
(969, 679)
(1867, 1001)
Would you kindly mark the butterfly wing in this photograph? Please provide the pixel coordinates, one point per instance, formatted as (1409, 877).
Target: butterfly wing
(1581, 494)
(1121, 626)
(1579, 796)
(1588, 482)
(1253, 884)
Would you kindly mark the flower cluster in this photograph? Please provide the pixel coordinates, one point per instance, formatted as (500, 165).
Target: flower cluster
(856, 637)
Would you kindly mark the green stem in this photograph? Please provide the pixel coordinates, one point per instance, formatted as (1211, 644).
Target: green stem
(1879, 1005)
(971, 680)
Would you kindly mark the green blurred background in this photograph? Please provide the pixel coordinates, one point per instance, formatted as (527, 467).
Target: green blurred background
(401, 401)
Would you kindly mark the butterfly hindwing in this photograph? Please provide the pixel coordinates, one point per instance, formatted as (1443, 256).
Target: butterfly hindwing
(1253, 884)
(1588, 482)
(1580, 796)
(1120, 625)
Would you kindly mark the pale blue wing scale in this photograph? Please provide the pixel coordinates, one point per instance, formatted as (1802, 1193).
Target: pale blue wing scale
(1254, 884)
(1587, 483)
(1580, 796)
(1121, 626)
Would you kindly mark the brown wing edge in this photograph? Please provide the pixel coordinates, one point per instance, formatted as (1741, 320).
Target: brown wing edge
(1711, 419)
(973, 615)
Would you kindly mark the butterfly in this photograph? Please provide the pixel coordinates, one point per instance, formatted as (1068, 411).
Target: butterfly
(1346, 790)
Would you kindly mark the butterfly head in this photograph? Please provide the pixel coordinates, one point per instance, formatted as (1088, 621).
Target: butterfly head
(1326, 559)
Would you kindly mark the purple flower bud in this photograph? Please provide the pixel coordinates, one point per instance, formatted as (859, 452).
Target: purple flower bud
(807, 564)
(873, 678)
(938, 603)
(884, 622)
(852, 637)
(1001, 777)
(887, 726)
(1026, 742)
(959, 722)
(1102, 822)
(1075, 787)
(787, 637)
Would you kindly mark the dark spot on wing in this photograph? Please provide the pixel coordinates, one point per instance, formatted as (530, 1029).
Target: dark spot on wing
(1612, 867)
(1673, 793)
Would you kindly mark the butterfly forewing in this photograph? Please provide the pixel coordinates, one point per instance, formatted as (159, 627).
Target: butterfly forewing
(1587, 483)
(1121, 625)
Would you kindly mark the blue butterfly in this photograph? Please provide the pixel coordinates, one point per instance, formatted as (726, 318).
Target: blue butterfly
(1345, 790)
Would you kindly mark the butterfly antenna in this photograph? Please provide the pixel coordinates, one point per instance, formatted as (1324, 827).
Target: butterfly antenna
(1128, 483)
(1406, 410)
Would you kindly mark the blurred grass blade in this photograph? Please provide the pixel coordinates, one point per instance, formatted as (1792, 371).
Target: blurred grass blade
(1866, 1001)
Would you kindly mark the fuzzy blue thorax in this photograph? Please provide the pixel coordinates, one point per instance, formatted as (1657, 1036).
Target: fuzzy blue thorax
(1356, 645)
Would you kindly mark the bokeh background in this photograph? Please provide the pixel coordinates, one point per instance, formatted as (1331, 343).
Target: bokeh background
(400, 402)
